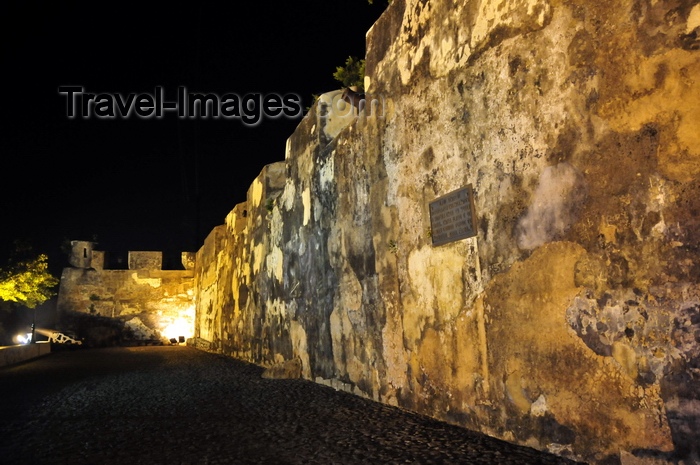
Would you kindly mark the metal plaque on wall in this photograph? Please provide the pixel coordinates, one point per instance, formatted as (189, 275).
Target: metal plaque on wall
(452, 216)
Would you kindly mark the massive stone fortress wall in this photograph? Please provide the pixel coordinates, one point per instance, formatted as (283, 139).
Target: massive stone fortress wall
(571, 321)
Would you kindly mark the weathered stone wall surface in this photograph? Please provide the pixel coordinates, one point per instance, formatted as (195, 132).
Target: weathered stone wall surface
(154, 304)
(208, 315)
(145, 260)
(239, 278)
(571, 321)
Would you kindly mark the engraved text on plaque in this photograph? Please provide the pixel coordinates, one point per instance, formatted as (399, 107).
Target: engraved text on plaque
(452, 216)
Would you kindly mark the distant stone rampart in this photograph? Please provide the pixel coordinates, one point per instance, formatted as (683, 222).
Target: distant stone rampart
(154, 305)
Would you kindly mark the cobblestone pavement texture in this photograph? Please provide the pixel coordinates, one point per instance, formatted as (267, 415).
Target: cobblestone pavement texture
(178, 405)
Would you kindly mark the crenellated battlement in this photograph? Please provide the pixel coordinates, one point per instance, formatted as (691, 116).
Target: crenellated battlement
(154, 304)
(84, 255)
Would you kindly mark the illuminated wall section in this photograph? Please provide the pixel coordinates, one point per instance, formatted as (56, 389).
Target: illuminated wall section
(154, 305)
(571, 321)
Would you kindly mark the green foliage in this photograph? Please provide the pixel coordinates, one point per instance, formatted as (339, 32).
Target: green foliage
(27, 282)
(270, 204)
(352, 74)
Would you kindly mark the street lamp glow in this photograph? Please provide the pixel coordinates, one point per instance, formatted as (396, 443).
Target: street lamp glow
(23, 338)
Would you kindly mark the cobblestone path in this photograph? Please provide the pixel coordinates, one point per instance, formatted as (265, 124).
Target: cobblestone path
(178, 405)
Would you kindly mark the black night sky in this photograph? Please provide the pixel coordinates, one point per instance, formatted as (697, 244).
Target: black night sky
(152, 184)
